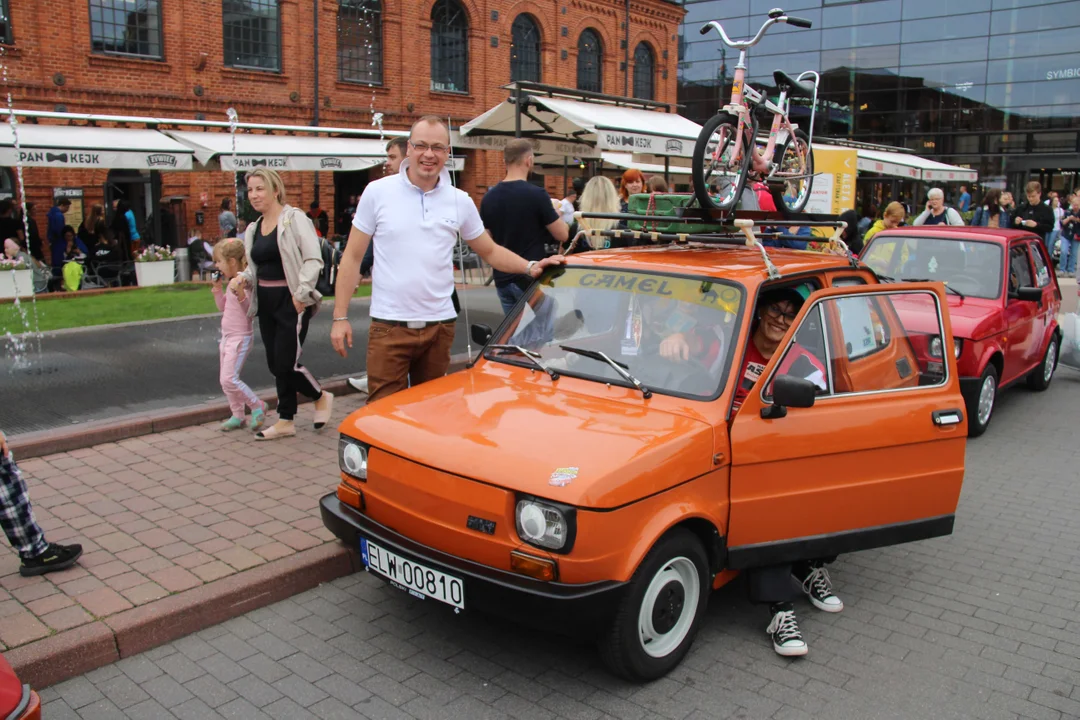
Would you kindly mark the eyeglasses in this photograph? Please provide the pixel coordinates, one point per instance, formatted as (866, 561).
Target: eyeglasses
(424, 147)
(778, 312)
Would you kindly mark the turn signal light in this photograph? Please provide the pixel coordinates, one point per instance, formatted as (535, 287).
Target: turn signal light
(350, 496)
(534, 567)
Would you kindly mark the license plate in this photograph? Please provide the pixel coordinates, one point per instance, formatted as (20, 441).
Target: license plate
(412, 577)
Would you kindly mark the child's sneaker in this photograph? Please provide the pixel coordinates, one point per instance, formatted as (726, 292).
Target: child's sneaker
(233, 423)
(258, 417)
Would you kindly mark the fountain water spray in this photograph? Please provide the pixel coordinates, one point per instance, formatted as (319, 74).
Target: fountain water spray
(233, 120)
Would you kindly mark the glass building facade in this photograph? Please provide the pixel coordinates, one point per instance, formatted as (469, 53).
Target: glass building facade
(989, 84)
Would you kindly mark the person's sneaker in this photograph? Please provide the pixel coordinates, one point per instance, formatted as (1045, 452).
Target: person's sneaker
(818, 587)
(359, 384)
(258, 417)
(233, 423)
(56, 557)
(786, 638)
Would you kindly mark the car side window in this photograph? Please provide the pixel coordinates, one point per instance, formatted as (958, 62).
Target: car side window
(864, 333)
(807, 357)
(848, 282)
(1019, 268)
(1042, 272)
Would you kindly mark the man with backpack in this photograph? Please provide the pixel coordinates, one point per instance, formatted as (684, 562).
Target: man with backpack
(937, 213)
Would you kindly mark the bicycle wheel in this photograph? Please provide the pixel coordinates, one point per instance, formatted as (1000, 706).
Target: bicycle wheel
(796, 169)
(718, 162)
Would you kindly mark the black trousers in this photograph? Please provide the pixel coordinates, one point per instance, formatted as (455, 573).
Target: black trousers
(283, 331)
(778, 584)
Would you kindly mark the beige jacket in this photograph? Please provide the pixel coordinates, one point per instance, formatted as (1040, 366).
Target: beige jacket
(301, 257)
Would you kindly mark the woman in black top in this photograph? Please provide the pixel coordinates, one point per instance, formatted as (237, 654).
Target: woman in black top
(105, 259)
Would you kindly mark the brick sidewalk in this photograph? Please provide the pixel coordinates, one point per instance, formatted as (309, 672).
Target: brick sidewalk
(164, 513)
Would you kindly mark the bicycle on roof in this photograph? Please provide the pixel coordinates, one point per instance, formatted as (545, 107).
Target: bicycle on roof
(726, 154)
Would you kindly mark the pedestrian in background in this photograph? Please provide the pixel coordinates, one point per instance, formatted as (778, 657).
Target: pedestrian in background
(319, 218)
(570, 202)
(88, 228)
(963, 203)
(237, 337)
(599, 196)
(1070, 238)
(657, 184)
(937, 212)
(418, 216)
(520, 217)
(991, 213)
(17, 520)
(1059, 212)
(284, 260)
(10, 227)
(893, 217)
(226, 219)
(1033, 215)
(33, 243)
(54, 231)
(1008, 203)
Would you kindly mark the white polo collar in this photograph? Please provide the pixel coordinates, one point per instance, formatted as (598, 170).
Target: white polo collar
(444, 177)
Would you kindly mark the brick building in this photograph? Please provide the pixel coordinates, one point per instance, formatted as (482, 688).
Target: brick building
(193, 59)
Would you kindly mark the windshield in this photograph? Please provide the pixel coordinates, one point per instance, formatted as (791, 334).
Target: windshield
(628, 316)
(972, 268)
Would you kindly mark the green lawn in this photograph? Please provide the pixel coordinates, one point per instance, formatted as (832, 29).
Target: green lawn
(153, 303)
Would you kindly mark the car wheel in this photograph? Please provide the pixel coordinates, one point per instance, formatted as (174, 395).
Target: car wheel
(981, 410)
(1040, 377)
(659, 615)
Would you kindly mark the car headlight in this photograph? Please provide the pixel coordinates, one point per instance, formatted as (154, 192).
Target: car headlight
(547, 525)
(353, 457)
(935, 347)
(958, 347)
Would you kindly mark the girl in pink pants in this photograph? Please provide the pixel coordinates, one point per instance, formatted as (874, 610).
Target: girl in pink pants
(236, 337)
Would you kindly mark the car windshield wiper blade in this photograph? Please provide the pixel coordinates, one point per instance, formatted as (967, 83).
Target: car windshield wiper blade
(533, 357)
(953, 290)
(884, 278)
(618, 367)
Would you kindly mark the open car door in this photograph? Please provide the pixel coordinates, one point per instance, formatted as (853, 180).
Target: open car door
(878, 456)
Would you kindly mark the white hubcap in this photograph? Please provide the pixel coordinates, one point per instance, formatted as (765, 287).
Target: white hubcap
(1051, 361)
(668, 608)
(986, 399)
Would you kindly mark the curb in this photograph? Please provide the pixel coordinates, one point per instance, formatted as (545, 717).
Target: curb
(82, 649)
(76, 437)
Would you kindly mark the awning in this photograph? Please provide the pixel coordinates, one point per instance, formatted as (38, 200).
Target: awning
(283, 152)
(580, 129)
(910, 166)
(626, 160)
(92, 147)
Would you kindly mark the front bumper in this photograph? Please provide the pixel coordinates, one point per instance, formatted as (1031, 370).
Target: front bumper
(488, 589)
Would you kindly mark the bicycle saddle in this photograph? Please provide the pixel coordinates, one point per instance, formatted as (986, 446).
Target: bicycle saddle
(795, 87)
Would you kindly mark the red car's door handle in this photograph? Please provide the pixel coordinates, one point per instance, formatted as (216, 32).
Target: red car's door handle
(945, 418)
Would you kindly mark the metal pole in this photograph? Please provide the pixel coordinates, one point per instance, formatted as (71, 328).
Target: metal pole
(517, 115)
(315, 122)
(667, 171)
(565, 175)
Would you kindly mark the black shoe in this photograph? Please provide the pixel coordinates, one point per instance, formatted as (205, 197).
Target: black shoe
(56, 557)
(818, 587)
(786, 638)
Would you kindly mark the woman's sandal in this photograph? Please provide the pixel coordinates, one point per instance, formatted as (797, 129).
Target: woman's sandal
(323, 416)
(273, 433)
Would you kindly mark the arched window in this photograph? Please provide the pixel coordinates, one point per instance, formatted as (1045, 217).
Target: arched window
(449, 47)
(644, 72)
(525, 49)
(359, 41)
(590, 61)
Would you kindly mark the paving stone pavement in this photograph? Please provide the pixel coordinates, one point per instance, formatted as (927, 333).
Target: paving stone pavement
(980, 625)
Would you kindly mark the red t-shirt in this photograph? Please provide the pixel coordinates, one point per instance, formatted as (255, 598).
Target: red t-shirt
(798, 362)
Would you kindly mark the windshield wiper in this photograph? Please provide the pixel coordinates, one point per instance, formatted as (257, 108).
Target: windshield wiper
(953, 290)
(618, 367)
(533, 357)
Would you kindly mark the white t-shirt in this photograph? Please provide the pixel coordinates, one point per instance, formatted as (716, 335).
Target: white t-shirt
(415, 234)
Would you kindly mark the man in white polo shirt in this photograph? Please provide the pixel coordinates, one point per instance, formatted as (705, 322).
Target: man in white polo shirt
(418, 215)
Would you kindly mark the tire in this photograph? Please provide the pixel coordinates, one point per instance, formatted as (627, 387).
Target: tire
(789, 156)
(669, 590)
(1039, 378)
(978, 421)
(725, 124)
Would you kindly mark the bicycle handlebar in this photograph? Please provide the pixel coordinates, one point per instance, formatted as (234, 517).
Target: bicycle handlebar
(743, 44)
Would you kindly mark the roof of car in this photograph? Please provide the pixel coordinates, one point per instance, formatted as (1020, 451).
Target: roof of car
(733, 263)
(996, 235)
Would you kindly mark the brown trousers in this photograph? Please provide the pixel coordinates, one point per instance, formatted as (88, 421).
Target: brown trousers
(398, 355)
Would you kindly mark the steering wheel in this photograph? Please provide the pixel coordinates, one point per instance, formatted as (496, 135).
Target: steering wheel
(970, 279)
(689, 376)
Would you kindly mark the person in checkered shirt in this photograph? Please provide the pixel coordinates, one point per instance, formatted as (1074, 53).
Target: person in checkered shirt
(23, 532)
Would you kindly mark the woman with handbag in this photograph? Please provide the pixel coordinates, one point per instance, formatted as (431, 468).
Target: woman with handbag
(284, 262)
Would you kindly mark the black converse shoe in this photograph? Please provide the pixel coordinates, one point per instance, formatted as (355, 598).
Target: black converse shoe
(818, 587)
(786, 638)
(56, 557)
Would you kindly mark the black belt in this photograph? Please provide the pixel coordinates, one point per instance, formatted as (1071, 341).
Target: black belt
(414, 324)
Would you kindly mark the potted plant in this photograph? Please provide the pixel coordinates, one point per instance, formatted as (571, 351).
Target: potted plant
(155, 265)
(16, 278)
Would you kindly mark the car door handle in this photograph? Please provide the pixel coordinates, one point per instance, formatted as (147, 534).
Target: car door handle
(945, 418)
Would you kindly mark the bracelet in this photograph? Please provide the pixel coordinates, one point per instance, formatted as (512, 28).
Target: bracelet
(340, 319)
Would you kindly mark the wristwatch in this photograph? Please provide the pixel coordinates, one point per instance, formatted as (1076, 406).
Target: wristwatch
(529, 267)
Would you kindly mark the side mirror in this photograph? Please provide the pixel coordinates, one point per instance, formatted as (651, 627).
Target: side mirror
(1029, 294)
(481, 333)
(789, 391)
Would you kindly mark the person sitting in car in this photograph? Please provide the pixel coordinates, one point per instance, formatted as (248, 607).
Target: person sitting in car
(772, 585)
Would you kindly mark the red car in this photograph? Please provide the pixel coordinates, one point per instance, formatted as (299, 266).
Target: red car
(1003, 301)
(17, 701)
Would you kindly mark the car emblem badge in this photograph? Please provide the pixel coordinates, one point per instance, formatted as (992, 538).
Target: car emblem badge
(563, 476)
(481, 525)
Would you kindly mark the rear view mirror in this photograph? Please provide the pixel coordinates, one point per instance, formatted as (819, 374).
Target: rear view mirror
(789, 391)
(1029, 294)
(481, 333)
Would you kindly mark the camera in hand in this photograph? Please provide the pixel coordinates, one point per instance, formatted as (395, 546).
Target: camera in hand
(215, 276)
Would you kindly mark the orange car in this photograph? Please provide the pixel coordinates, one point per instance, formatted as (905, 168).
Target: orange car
(17, 701)
(578, 471)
